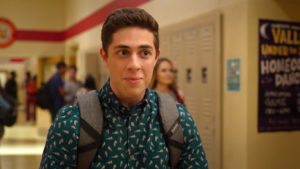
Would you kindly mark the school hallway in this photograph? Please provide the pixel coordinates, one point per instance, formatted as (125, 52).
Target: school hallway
(237, 63)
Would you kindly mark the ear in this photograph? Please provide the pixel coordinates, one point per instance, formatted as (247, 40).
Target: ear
(103, 56)
(157, 55)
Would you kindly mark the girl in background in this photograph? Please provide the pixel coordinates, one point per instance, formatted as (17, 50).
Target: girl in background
(163, 80)
(30, 98)
(89, 84)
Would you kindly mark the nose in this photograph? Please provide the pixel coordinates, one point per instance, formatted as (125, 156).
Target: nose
(134, 63)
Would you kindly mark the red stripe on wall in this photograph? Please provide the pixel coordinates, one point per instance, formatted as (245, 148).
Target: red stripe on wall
(99, 16)
(89, 22)
(40, 35)
(17, 60)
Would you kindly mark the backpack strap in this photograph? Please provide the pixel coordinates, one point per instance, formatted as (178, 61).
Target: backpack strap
(172, 128)
(91, 125)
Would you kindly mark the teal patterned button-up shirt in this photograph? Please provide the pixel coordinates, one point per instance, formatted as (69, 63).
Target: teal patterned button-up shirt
(131, 139)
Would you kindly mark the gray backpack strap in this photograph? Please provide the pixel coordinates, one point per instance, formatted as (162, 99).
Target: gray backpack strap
(172, 128)
(91, 125)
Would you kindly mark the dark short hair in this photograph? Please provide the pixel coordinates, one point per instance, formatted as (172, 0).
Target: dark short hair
(127, 17)
(13, 73)
(90, 82)
(60, 65)
(28, 74)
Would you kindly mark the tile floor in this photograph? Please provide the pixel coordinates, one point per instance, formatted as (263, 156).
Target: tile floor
(22, 144)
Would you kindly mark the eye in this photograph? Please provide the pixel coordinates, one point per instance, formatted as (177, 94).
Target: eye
(123, 52)
(146, 53)
(164, 70)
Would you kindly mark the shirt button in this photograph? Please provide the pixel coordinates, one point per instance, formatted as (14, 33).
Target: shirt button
(132, 158)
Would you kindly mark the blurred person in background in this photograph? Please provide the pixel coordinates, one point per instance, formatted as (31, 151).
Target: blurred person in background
(8, 110)
(163, 80)
(57, 89)
(11, 87)
(28, 77)
(4, 105)
(71, 86)
(89, 84)
(30, 97)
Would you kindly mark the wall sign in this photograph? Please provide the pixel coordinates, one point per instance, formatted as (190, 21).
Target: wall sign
(7, 33)
(233, 74)
(279, 76)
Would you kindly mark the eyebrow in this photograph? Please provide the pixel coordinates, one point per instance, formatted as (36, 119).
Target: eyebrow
(127, 47)
(121, 46)
(146, 46)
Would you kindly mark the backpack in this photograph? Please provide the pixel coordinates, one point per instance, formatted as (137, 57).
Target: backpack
(1, 131)
(8, 115)
(43, 96)
(91, 125)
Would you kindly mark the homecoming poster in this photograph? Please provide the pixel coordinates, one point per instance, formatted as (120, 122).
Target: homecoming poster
(279, 76)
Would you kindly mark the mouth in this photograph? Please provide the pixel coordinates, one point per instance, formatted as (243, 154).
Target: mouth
(133, 80)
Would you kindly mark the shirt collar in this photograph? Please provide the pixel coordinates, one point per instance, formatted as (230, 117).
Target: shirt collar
(110, 100)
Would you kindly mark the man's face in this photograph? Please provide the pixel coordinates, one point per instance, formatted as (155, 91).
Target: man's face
(62, 70)
(130, 59)
(165, 73)
(72, 73)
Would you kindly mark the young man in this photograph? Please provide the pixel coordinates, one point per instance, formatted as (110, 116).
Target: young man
(57, 89)
(11, 87)
(71, 86)
(132, 135)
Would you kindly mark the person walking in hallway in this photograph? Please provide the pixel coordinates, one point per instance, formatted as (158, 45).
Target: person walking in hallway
(89, 84)
(57, 89)
(30, 97)
(11, 87)
(71, 86)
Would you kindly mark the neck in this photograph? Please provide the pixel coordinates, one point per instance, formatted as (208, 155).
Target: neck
(131, 102)
(128, 101)
(163, 88)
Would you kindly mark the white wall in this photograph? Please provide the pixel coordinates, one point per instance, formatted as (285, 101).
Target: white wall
(33, 49)
(34, 14)
(234, 117)
(77, 10)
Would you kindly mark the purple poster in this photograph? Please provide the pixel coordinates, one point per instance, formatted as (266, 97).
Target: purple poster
(279, 76)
